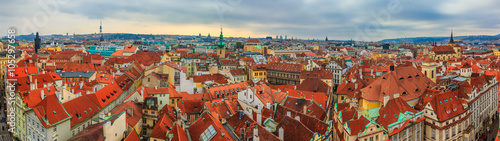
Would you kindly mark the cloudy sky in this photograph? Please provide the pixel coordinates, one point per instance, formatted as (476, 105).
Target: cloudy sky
(307, 19)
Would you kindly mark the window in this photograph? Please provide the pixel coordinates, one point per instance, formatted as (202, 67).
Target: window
(208, 134)
(433, 133)
(447, 134)
(55, 128)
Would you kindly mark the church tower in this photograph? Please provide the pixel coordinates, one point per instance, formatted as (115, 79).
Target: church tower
(429, 69)
(221, 49)
(457, 48)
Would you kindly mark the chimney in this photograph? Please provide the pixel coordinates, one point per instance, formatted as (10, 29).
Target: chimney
(386, 99)
(392, 67)
(259, 115)
(263, 89)
(297, 118)
(156, 87)
(142, 91)
(42, 95)
(81, 85)
(396, 95)
(268, 105)
(36, 84)
(254, 91)
(355, 86)
(371, 71)
(305, 109)
(281, 133)
(130, 111)
(114, 75)
(289, 114)
(73, 91)
(256, 133)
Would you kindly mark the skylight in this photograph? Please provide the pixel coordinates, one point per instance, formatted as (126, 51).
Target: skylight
(208, 134)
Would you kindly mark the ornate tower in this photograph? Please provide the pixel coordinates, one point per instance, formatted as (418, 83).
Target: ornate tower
(221, 49)
(37, 43)
(429, 69)
(452, 42)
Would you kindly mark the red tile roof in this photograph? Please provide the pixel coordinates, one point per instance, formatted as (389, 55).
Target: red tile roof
(311, 107)
(51, 109)
(447, 105)
(288, 67)
(179, 133)
(80, 112)
(161, 128)
(314, 84)
(105, 95)
(132, 136)
(200, 125)
(294, 130)
(408, 82)
(320, 98)
(92, 133)
(238, 71)
(311, 123)
(132, 118)
(33, 97)
(190, 106)
(389, 113)
(317, 72)
(253, 41)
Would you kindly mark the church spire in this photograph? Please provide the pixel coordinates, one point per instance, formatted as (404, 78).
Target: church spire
(221, 39)
(452, 42)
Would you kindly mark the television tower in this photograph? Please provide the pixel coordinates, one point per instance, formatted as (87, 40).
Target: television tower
(100, 32)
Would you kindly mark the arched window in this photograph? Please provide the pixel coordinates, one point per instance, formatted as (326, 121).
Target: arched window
(425, 73)
(432, 74)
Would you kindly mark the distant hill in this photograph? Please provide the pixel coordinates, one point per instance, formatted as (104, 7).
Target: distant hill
(442, 39)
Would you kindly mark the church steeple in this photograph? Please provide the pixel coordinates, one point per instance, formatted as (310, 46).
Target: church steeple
(452, 42)
(221, 43)
(221, 50)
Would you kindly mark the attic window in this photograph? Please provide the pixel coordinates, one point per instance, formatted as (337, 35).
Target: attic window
(383, 78)
(405, 93)
(417, 90)
(401, 78)
(417, 75)
(54, 112)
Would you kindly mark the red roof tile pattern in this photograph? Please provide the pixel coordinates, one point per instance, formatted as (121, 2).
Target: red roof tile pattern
(106, 95)
(314, 84)
(131, 118)
(389, 113)
(190, 106)
(294, 130)
(317, 72)
(51, 109)
(320, 98)
(200, 125)
(179, 133)
(132, 136)
(313, 124)
(33, 97)
(408, 82)
(80, 112)
(238, 71)
(161, 128)
(288, 67)
(253, 41)
(306, 106)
